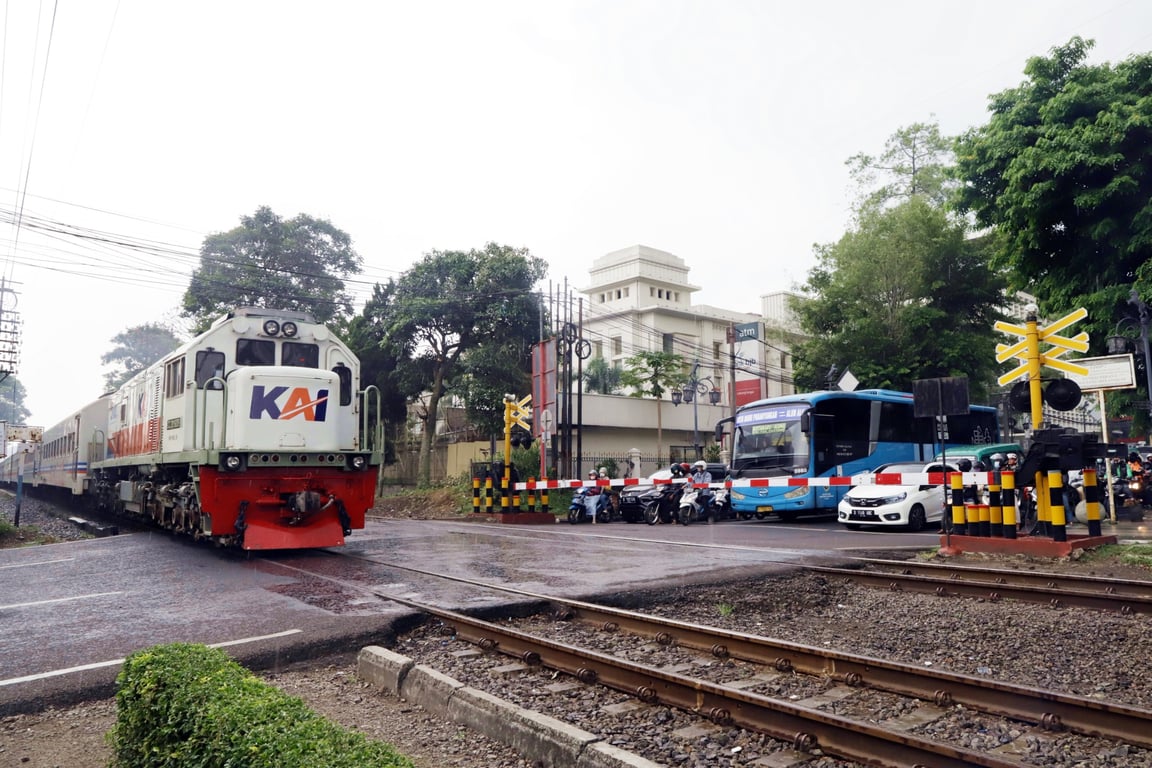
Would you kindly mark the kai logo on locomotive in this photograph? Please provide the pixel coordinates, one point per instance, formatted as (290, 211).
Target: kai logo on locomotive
(299, 402)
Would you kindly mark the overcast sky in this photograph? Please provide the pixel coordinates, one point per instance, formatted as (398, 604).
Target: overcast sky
(716, 130)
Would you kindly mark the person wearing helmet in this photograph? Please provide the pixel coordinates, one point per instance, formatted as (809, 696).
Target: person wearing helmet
(997, 460)
(593, 504)
(702, 477)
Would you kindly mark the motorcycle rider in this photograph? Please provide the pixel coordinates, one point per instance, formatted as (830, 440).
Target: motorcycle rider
(592, 498)
(701, 476)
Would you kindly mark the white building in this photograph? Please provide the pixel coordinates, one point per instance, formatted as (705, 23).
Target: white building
(640, 299)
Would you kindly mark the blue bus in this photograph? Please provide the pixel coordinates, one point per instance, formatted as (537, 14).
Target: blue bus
(831, 435)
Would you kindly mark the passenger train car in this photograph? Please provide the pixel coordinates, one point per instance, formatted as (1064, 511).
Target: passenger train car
(254, 434)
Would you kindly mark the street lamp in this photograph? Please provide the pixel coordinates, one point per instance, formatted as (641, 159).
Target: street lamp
(1119, 345)
(696, 386)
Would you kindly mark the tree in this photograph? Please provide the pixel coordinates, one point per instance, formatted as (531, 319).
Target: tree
(601, 376)
(915, 163)
(134, 349)
(297, 264)
(652, 373)
(905, 296)
(1063, 172)
(451, 309)
(12, 408)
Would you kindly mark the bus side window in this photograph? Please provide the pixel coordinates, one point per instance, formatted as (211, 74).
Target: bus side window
(345, 374)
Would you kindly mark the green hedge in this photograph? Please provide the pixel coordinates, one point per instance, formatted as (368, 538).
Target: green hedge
(189, 706)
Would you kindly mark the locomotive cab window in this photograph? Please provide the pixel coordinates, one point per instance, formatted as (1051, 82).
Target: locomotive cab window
(345, 374)
(209, 365)
(300, 355)
(255, 352)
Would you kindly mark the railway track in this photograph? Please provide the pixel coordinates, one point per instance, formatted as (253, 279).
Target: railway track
(804, 726)
(1057, 589)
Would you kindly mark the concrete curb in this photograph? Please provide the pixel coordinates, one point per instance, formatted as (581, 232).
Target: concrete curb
(535, 735)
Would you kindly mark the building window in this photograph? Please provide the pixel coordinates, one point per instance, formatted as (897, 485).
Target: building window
(617, 293)
(651, 291)
(625, 293)
(667, 342)
(660, 293)
(597, 349)
(677, 297)
(617, 345)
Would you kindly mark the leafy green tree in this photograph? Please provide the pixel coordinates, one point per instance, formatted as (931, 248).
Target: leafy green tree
(12, 395)
(297, 264)
(904, 296)
(451, 309)
(134, 349)
(1063, 172)
(652, 374)
(916, 162)
(601, 376)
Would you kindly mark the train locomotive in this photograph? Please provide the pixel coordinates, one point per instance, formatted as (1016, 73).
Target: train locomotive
(253, 435)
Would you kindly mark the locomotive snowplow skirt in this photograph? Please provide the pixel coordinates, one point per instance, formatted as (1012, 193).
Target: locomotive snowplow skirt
(264, 534)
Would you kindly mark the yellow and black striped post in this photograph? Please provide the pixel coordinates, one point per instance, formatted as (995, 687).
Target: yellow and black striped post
(1092, 502)
(544, 500)
(956, 482)
(475, 495)
(1056, 503)
(995, 512)
(983, 516)
(488, 493)
(1008, 500)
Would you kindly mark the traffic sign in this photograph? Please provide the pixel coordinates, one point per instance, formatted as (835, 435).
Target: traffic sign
(1027, 349)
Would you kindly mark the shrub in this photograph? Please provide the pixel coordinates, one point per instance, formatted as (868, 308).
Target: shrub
(184, 705)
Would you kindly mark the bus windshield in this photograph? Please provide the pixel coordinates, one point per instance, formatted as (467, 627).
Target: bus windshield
(771, 439)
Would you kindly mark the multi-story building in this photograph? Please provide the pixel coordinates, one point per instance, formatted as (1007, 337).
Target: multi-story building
(640, 299)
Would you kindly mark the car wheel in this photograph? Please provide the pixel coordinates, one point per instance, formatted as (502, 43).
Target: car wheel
(916, 519)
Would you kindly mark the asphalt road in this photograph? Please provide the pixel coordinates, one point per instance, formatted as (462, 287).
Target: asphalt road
(70, 612)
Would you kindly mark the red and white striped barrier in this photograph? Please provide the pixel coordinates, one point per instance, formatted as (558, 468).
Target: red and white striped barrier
(865, 478)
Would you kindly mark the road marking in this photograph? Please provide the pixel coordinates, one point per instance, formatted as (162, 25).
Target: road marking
(57, 600)
(114, 662)
(38, 562)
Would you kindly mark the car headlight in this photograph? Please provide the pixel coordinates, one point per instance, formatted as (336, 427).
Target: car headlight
(737, 495)
(894, 499)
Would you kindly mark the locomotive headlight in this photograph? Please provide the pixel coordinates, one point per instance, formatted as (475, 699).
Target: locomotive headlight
(359, 462)
(232, 463)
(289, 329)
(271, 328)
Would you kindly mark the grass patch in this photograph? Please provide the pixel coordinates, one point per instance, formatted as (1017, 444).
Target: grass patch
(1126, 554)
(24, 536)
(725, 609)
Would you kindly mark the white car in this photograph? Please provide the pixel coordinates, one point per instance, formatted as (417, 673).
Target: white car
(909, 506)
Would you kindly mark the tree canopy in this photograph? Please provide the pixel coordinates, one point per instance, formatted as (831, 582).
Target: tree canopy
(296, 264)
(916, 162)
(134, 349)
(904, 296)
(653, 373)
(12, 408)
(452, 323)
(1063, 172)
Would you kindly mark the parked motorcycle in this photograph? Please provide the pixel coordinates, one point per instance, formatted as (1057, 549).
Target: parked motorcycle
(662, 503)
(695, 504)
(578, 510)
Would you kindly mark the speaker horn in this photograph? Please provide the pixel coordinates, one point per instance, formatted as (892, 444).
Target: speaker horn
(1062, 394)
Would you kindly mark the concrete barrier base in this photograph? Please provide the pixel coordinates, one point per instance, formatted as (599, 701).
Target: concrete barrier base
(1037, 546)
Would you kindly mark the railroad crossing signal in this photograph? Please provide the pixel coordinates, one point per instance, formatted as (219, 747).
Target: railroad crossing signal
(517, 412)
(1024, 349)
(1028, 350)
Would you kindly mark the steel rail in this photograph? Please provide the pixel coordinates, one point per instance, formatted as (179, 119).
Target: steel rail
(1126, 604)
(1049, 709)
(804, 728)
(1049, 580)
